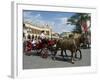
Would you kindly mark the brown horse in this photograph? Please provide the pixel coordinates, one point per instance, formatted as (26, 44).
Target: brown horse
(72, 44)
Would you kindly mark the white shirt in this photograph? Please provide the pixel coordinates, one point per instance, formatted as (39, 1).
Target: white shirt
(33, 42)
(42, 36)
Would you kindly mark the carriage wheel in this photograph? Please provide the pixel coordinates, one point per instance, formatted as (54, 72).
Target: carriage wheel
(78, 54)
(44, 53)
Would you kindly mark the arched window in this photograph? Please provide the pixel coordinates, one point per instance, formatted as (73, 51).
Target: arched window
(23, 35)
(32, 37)
(36, 37)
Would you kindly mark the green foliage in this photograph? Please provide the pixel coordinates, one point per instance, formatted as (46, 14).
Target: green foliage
(77, 20)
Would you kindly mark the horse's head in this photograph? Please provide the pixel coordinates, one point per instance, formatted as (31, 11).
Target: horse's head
(79, 38)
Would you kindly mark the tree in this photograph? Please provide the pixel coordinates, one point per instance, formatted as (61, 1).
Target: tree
(80, 21)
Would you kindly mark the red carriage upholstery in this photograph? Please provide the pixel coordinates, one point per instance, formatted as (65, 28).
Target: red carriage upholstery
(51, 42)
(29, 46)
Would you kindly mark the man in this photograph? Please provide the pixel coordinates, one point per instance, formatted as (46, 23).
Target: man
(34, 42)
(43, 37)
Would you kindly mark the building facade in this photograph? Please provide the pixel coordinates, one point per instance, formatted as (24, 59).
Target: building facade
(34, 31)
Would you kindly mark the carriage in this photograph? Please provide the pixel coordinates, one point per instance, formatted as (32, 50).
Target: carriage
(40, 48)
(71, 44)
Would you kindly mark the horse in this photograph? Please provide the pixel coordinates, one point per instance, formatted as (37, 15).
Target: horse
(71, 44)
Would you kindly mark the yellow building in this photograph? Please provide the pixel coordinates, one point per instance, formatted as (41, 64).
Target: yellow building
(30, 30)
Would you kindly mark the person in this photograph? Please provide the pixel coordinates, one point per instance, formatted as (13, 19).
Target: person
(43, 45)
(43, 37)
(34, 43)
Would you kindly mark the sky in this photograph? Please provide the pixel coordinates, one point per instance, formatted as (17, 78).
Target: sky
(57, 20)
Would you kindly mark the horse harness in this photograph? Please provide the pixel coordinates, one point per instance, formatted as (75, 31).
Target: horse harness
(74, 43)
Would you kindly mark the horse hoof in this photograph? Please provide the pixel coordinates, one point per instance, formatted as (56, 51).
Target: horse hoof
(52, 58)
(73, 62)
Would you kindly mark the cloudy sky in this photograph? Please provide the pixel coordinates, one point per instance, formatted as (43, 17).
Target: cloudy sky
(57, 20)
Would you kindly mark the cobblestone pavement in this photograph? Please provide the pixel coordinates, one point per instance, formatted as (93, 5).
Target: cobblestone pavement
(36, 62)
